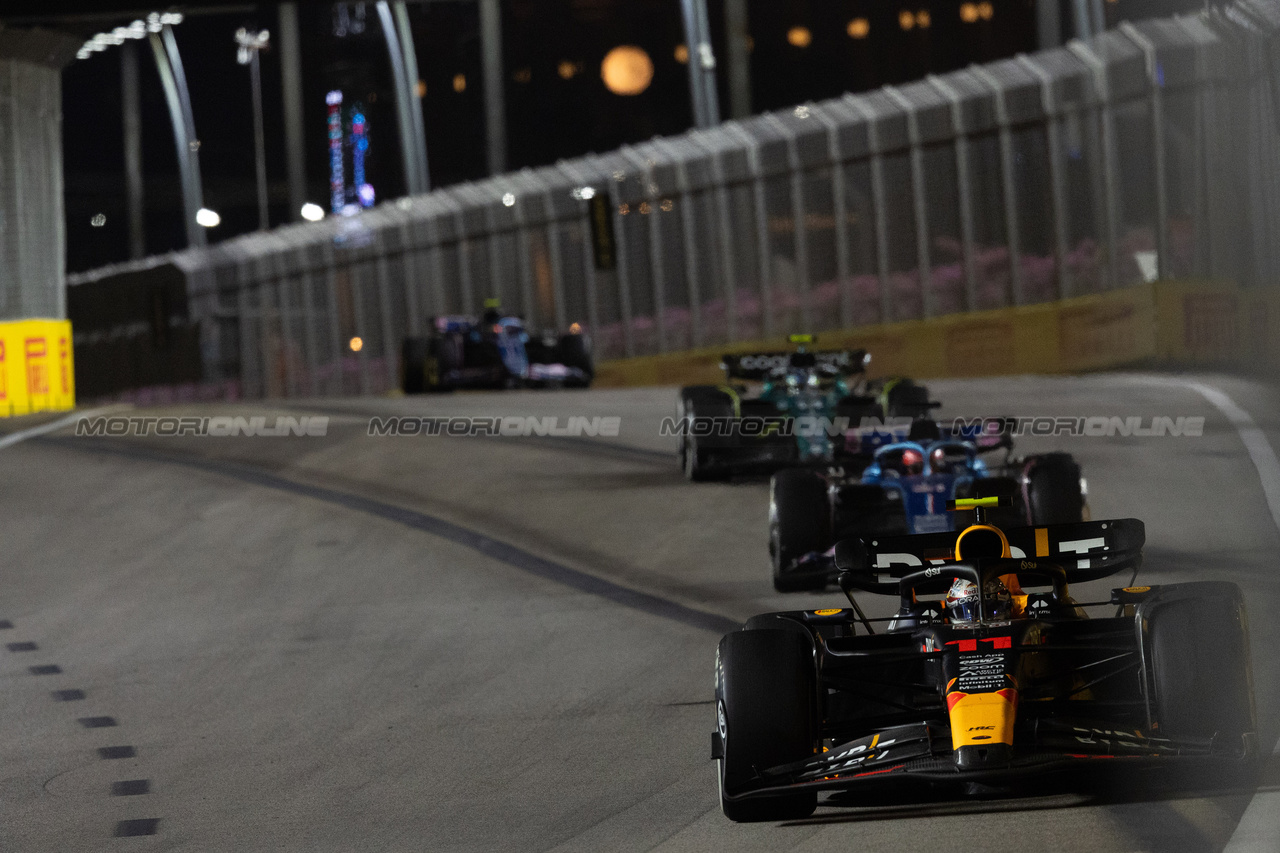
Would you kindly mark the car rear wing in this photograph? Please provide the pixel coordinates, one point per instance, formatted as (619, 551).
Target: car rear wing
(755, 367)
(1086, 551)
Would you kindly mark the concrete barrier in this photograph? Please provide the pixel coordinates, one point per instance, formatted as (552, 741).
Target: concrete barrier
(1174, 324)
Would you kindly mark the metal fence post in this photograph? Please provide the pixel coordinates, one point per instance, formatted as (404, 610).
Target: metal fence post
(657, 266)
(623, 274)
(689, 239)
(249, 373)
(555, 257)
(964, 187)
(800, 230)
(762, 228)
(309, 331)
(728, 260)
(1057, 183)
(1111, 202)
(412, 304)
(588, 252)
(918, 197)
(840, 213)
(390, 352)
(335, 323)
(1156, 94)
(878, 203)
(1007, 182)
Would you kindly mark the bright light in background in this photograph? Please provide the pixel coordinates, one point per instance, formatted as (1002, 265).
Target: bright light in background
(986, 10)
(566, 69)
(859, 28)
(584, 193)
(906, 20)
(509, 200)
(459, 83)
(682, 54)
(312, 212)
(356, 344)
(98, 220)
(207, 218)
(923, 19)
(367, 195)
(154, 23)
(627, 70)
(799, 37)
(969, 12)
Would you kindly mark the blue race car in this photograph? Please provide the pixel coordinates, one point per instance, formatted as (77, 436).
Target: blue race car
(905, 490)
(494, 351)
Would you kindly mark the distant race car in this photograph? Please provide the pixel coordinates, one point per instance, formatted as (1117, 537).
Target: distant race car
(905, 489)
(494, 351)
(748, 424)
(990, 686)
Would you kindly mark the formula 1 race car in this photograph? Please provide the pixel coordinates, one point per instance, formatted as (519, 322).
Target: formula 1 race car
(494, 351)
(989, 687)
(793, 417)
(905, 489)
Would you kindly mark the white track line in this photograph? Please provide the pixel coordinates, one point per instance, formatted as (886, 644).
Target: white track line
(1259, 827)
(1255, 441)
(53, 426)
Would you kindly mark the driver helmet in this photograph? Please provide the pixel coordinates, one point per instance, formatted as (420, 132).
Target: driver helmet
(912, 461)
(962, 601)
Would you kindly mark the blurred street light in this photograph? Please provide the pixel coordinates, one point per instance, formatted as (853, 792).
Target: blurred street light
(208, 218)
(249, 45)
(312, 212)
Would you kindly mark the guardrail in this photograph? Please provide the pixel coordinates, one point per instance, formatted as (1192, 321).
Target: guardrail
(1147, 153)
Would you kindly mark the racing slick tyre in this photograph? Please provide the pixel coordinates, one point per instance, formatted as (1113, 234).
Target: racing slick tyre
(1053, 491)
(699, 401)
(799, 524)
(1200, 664)
(906, 399)
(575, 351)
(765, 717)
(420, 366)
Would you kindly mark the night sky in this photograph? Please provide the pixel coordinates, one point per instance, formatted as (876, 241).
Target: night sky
(557, 104)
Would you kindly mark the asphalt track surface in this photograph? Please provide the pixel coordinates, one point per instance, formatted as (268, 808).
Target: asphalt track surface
(357, 643)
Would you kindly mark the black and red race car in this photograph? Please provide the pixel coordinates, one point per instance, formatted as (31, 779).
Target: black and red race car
(1009, 680)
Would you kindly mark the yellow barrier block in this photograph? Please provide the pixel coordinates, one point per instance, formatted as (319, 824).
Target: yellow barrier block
(37, 373)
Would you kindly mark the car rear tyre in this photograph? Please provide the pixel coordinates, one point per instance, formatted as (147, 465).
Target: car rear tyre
(420, 366)
(799, 524)
(906, 399)
(1053, 490)
(699, 401)
(766, 717)
(575, 351)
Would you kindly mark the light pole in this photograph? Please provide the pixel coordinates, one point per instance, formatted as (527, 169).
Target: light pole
(249, 45)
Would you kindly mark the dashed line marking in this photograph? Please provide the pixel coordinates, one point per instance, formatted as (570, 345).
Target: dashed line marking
(45, 669)
(107, 753)
(142, 826)
(97, 722)
(68, 695)
(131, 788)
(21, 647)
